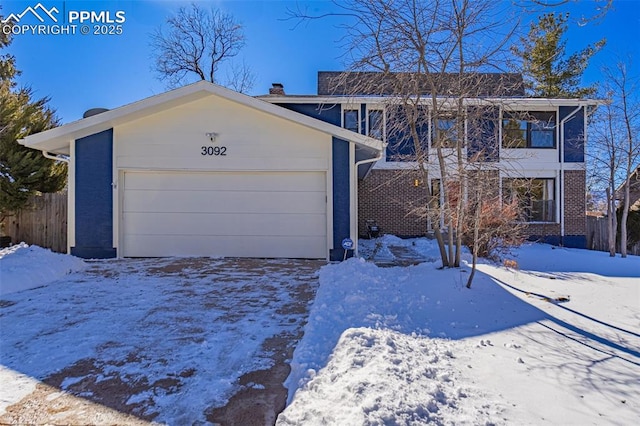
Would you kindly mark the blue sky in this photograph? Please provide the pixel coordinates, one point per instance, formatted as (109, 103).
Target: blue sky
(79, 72)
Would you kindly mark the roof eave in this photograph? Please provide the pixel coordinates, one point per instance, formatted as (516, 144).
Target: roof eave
(57, 140)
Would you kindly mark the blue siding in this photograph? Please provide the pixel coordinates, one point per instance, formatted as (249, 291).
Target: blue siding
(482, 134)
(575, 241)
(94, 196)
(573, 135)
(327, 113)
(569, 241)
(341, 198)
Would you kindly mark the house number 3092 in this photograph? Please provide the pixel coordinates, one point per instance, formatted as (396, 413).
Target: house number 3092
(214, 150)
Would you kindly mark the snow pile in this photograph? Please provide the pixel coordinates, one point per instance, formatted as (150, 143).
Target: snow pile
(385, 377)
(554, 341)
(23, 267)
(390, 371)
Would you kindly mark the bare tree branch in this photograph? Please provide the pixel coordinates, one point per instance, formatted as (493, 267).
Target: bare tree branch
(195, 43)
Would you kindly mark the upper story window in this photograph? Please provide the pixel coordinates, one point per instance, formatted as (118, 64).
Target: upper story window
(351, 120)
(529, 130)
(444, 132)
(375, 123)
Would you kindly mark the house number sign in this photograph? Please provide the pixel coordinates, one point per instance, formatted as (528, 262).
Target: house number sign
(217, 151)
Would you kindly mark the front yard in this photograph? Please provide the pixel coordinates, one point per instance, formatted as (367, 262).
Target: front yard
(555, 340)
(168, 340)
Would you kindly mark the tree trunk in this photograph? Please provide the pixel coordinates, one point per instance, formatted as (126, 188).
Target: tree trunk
(476, 228)
(611, 221)
(623, 220)
(425, 179)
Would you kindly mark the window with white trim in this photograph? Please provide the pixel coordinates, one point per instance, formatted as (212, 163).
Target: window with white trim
(444, 131)
(533, 129)
(351, 120)
(536, 198)
(375, 123)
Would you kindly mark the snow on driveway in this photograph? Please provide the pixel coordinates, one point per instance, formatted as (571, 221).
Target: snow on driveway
(556, 341)
(164, 339)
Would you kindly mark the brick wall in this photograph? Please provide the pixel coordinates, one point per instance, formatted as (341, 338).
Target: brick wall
(542, 229)
(388, 197)
(575, 204)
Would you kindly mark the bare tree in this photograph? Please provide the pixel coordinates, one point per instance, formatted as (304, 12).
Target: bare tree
(625, 101)
(605, 157)
(428, 58)
(599, 8)
(240, 77)
(195, 43)
(615, 151)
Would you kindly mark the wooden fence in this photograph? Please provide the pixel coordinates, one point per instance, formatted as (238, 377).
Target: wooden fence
(43, 222)
(598, 236)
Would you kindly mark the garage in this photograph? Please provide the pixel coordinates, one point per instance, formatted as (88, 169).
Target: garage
(205, 171)
(259, 214)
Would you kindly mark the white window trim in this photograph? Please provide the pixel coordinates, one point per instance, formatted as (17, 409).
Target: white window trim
(374, 107)
(556, 193)
(465, 130)
(555, 110)
(351, 107)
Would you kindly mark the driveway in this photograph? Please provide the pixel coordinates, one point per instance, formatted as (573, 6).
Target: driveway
(178, 341)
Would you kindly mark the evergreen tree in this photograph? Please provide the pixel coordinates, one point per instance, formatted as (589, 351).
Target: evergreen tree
(23, 171)
(547, 70)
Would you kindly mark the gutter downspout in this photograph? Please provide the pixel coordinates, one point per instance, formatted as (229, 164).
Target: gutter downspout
(355, 207)
(55, 157)
(561, 177)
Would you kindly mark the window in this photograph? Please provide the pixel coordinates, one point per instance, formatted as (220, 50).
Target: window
(375, 122)
(536, 198)
(350, 120)
(453, 192)
(444, 132)
(529, 130)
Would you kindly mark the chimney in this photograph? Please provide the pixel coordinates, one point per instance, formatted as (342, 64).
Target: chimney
(277, 89)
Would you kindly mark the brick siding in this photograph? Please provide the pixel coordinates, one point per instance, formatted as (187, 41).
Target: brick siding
(575, 202)
(389, 196)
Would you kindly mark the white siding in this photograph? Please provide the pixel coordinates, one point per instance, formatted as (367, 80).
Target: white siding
(254, 140)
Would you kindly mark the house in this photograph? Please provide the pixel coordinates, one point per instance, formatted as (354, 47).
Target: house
(540, 142)
(634, 190)
(205, 171)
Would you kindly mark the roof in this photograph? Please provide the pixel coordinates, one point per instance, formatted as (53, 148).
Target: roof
(339, 83)
(515, 102)
(57, 140)
(634, 186)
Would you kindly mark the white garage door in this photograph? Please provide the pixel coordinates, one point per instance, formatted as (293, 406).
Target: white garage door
(261, 214)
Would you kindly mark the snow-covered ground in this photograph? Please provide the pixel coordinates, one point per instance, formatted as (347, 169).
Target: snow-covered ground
(172, 337)
(556, 341)
(23, 267)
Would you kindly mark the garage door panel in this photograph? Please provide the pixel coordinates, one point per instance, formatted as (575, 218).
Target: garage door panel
(218, 224)
(225, 246)
(224, 202)
(255, 214)
(195, 181)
